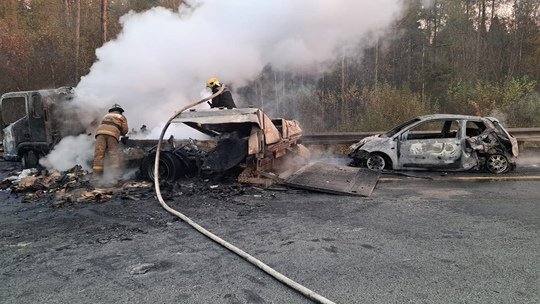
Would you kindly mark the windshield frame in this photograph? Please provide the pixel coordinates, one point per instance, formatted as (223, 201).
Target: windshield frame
(400, 127)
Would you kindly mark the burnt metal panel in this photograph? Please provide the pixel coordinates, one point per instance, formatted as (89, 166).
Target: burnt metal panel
(217, 121)
(36, 120)
(337, 179)
(228, 153)
(217, 116)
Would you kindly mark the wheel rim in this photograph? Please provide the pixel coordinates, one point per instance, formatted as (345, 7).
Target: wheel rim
(497, 163)
(164, 170)
(375, 163)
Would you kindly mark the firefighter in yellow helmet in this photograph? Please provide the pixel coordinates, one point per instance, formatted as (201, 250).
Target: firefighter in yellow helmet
(223, 100)
(113, 125)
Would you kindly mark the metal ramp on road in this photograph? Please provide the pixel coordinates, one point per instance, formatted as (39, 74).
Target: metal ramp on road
(333, 178)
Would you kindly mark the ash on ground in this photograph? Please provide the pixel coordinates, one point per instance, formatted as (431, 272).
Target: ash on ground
(77, 186)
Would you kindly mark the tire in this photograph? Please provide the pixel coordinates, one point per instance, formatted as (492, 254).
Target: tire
(185, 167)
(169, 166)
(497, 163)
(30, 159)
(376, 162)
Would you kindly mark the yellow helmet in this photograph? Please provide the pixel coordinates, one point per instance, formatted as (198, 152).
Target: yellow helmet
(212, 82)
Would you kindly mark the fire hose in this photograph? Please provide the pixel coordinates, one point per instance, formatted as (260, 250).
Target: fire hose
(280, 277)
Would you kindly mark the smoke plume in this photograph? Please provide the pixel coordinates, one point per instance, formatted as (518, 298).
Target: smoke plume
(70, 151)
(161, 59)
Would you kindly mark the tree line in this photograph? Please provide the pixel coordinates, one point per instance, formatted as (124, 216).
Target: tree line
(51, 43)
(472, 57)
(478, 57)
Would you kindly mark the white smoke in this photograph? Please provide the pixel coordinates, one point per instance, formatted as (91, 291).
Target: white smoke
(161, 59)
(70, 151)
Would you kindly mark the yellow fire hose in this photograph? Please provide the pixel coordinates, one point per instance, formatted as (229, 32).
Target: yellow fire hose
(280, 277)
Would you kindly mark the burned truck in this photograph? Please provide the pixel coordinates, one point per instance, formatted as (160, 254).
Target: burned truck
(260, 149)
(33, 122)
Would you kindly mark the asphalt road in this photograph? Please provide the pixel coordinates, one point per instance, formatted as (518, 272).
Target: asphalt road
(412, 241)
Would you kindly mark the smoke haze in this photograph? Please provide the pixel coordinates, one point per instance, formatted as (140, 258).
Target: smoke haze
(161, 59)
(70, 151)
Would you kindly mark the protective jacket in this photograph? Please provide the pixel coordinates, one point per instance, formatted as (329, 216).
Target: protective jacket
(113, 124)
(224, 99)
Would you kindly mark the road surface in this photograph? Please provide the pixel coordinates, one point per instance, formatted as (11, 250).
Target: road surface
(413, 241)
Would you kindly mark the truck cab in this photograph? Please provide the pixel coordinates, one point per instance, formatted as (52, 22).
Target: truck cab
(33, 122)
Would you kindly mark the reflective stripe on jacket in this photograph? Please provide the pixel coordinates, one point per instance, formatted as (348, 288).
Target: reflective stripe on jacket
(113, 124)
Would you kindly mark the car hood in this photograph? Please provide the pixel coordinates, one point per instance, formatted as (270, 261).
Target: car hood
(365, 140)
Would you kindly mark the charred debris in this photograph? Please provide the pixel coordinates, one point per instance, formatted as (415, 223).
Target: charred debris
(243, 148)
(60, 188)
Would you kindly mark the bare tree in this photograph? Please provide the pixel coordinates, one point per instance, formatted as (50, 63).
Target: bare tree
(104, 19)
(77, 40)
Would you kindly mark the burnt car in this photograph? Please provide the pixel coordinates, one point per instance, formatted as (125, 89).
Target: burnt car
(239, 138)
(440, 142)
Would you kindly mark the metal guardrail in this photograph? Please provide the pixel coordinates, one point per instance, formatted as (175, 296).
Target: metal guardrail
(521, 134)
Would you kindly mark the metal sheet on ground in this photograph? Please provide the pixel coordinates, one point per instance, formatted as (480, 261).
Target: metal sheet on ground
(337, 179)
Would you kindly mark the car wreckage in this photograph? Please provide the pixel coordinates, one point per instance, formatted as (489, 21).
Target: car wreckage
(33, 122)
(243, 143)
(439, 142)
(240, 138)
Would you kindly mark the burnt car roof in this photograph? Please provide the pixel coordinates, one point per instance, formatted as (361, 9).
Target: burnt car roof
(60, 90)
(454, 116)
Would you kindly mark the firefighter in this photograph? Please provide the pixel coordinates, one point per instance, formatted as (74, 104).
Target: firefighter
(112, 127)
(224, 99)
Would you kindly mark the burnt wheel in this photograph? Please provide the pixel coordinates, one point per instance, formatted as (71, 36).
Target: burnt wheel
(30, 159)
(376, 162)
(169, 166)
(497, 163)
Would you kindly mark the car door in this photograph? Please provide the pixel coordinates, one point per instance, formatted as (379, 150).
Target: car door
(434, 143)
(36, 120)
(14, 118)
